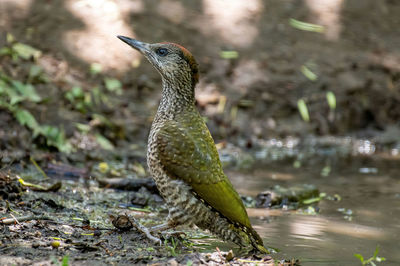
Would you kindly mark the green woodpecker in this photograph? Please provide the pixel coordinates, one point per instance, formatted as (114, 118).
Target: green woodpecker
(182, 156)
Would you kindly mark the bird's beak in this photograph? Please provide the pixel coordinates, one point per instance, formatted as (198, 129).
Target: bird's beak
(142, 47)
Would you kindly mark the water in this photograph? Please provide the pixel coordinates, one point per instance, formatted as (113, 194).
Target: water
(367, 215)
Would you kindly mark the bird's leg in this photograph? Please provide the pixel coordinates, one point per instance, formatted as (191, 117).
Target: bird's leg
(146, 231)
(161, 227)
(165, 226)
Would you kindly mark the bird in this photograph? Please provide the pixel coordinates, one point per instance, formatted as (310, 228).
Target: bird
(182, 157)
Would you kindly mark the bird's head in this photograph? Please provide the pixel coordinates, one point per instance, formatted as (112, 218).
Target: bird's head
(173, 62)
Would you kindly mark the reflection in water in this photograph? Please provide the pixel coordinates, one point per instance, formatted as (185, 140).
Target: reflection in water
(356, 230)
(371, 199)
(365, 147)
(308, 228)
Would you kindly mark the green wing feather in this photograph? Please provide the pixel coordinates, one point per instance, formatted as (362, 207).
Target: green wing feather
(187, 152)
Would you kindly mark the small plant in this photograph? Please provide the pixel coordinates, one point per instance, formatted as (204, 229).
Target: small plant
(113, 85)
(80, 100)
(172, 247)
(85, 101)
(372, 260)
(14, 94)
(17, 50)
(64, 261)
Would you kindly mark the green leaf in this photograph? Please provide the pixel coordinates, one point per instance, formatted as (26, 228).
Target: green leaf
(113, 85)
(25, 51)
(84, 128)
(359, 256)
(95, 68)
(5, 51)
(297, 164)
(229, 54)
(13, 95)
(376, 252)
(380, 259)
(331, 99)
(306, 26)
(308, 73)
(10, 38)
(36, 73)
(326, 170)
(77, 92)
(25, 118)
(88, 99)
(103, 120)
(56, 137)
(27, 91)
(69, 96)
(65, 260)
(139, 209)
(311, 200)
(104, 142)
(301, 104)
(50, 132)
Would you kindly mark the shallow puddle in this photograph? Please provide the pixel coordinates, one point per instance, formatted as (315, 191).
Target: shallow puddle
(367, 216)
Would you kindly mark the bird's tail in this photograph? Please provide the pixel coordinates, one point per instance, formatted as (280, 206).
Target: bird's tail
(257, 242)
(249, 237)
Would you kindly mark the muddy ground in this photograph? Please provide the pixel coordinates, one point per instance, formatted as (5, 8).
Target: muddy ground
(249, 95)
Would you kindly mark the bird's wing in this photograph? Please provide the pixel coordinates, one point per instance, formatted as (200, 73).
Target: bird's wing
(189, 154)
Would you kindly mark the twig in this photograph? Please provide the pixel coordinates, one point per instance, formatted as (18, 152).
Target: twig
(24, 219)
(15, 219)
(9, 207)
(219, 253)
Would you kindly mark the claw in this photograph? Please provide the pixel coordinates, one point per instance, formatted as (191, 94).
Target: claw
(145, 231)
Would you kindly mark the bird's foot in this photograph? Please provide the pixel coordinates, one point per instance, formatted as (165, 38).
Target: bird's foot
(160, 227)
(163, 227)
(175, 234)
(146, 231)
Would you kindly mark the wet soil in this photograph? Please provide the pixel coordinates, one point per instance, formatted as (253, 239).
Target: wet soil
(81, 222)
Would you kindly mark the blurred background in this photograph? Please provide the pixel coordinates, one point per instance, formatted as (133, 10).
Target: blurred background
(264, 72)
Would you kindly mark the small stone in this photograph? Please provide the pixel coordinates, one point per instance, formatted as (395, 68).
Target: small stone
(97, 233)
(173, 262)
(122, 222)
(229, 256)
(55, 244)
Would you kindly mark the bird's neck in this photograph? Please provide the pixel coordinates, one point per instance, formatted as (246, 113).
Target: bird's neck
(176, 98)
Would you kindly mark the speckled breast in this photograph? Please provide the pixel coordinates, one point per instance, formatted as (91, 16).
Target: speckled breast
(175, 192)
(184, 207)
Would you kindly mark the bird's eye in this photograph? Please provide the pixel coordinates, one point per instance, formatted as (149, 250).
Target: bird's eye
(162, 51)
